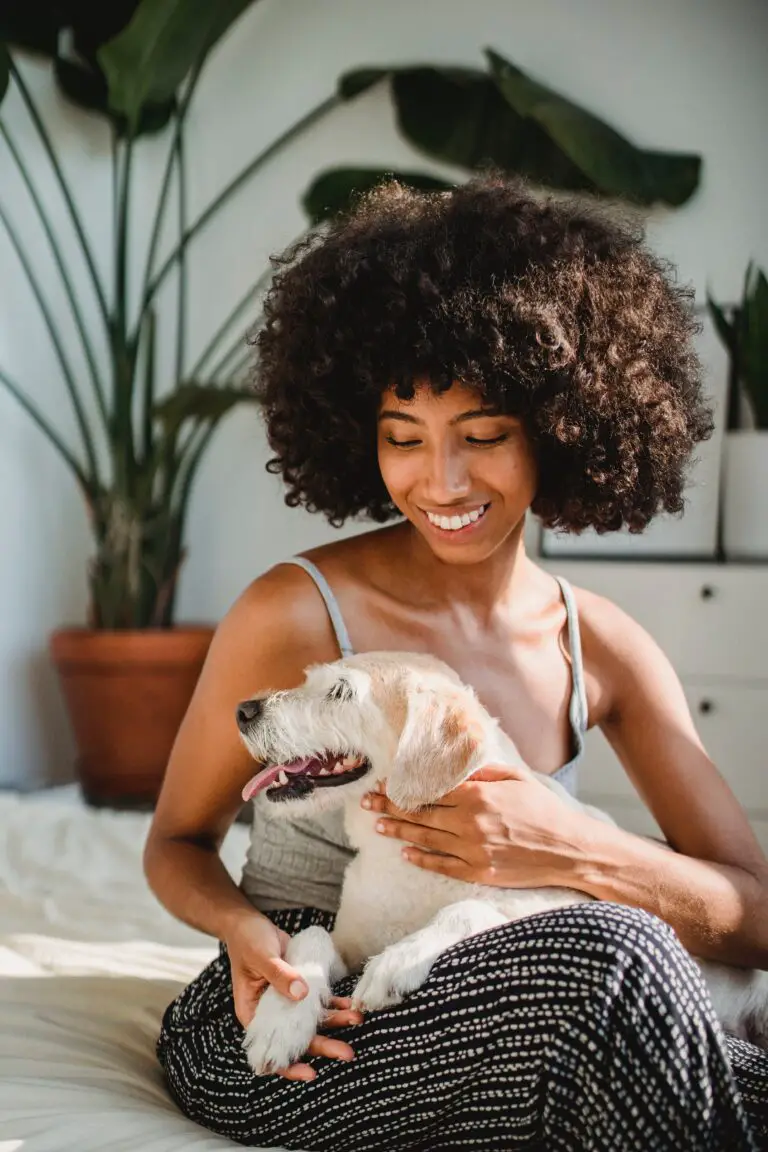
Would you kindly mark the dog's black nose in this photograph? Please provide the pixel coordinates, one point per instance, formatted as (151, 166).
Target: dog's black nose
(247, 712)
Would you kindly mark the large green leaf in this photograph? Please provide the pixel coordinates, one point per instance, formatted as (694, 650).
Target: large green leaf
(458, 115)
(36, 25)
(87, 87)
(351, 84)
(5, 74)
(148, 60)
(754, 359)
(725, 329)
(608, 159)
(33, 26)
(334, 191)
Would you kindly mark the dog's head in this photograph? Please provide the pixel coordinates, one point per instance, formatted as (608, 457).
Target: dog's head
(405, 717)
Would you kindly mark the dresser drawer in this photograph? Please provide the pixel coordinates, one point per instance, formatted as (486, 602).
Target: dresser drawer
(711, 620)
(733, 723)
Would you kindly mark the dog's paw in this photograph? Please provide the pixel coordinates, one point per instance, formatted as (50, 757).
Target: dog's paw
(396, 972)
(281, 1031)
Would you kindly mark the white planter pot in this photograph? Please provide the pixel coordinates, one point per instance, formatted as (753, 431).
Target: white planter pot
(745, 495)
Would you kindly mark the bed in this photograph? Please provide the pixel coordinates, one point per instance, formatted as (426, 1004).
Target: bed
(88, 962)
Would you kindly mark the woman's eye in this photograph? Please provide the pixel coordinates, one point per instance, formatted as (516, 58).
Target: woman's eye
(402, 443)
(487, 443)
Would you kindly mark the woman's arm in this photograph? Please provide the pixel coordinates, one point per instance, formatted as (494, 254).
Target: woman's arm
(207, 770)
(209, 765)
(714, 889)
(201, 795)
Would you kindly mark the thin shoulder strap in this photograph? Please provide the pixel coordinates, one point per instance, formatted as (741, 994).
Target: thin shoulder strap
(331, 603)
(579, 707)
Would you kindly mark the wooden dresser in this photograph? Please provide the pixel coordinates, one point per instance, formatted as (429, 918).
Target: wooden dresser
(712, 621)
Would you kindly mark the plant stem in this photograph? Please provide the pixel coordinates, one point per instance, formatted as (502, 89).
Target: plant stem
(221, 364)
(192, 456)
(296, 130)
(233, 372)
(181, 316)
(235, 314)
(149, 384)
(61, 265)
(74, 214)
(165, 186)
(57, 343)
(121, 261)
(123, 348)
(49, 431)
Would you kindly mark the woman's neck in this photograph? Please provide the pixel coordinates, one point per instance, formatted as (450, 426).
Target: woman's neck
(502, 583)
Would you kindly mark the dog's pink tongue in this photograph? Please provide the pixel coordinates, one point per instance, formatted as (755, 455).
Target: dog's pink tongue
(264, 778)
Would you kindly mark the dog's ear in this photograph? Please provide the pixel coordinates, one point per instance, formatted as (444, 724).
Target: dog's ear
(438, 744)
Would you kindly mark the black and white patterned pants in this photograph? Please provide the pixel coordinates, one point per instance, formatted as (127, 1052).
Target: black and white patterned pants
(584, 1028)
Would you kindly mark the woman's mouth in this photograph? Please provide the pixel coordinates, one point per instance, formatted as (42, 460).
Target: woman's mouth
(458, 524)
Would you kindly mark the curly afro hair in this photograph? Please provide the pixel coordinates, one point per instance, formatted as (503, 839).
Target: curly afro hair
(552, 308)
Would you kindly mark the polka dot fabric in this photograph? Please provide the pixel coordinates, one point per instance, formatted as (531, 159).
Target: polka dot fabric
(585, 1028)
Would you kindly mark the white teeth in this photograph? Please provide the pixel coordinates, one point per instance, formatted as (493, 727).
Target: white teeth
(325, 772)
(337, 768)
(454, 523)
(282, 777)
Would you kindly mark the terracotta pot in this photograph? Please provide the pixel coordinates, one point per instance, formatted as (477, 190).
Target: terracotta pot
(127, 692)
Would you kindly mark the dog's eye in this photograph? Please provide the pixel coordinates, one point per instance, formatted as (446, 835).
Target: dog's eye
(341, 693)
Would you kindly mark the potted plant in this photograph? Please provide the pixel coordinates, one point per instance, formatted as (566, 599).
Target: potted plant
(743, 329)
(128, 675)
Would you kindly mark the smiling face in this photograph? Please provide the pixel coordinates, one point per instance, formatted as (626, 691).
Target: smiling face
(463, 474)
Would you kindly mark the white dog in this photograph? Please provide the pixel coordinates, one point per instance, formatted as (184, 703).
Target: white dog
(411, 720)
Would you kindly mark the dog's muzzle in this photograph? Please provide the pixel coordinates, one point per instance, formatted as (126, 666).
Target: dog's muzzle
(298, 778)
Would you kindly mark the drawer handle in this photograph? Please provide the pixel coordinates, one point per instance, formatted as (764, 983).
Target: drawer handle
(706, 707)
(708, 592)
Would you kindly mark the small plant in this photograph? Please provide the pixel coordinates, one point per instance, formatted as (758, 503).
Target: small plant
(743, 329)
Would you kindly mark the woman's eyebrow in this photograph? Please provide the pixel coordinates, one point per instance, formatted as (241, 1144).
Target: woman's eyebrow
(476, 413)
(389, 414)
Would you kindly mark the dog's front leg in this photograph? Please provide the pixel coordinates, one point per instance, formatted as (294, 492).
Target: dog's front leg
(282, 1030)
(403, 967)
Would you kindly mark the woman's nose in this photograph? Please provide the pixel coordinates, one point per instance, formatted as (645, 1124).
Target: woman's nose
(448, 478)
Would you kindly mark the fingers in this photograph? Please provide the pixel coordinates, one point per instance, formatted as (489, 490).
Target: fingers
(297, 1072)
(246, 1001)
(343, 1018)
(283, 978)
(341, 1014)
(320, 1046)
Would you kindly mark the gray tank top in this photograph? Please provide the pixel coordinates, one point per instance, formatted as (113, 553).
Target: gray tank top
(300, 862)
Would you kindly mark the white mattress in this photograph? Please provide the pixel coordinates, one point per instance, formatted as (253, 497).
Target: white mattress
(88, 962)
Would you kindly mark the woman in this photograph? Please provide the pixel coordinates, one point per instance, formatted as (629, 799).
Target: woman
(449, 362)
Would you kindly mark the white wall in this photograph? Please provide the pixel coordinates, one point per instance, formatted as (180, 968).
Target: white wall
(678, 74)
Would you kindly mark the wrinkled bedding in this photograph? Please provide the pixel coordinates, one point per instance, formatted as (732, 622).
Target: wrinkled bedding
(88, 962)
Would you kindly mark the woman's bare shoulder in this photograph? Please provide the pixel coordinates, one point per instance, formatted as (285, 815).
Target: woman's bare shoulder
(355, 554)
(618, 651)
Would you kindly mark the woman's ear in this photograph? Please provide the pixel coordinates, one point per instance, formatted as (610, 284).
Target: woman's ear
(437, 750)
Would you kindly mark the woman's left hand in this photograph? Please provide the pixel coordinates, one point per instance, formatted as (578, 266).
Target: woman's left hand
(500, 828)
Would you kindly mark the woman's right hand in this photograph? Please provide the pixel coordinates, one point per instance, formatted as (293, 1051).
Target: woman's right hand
(256, 950)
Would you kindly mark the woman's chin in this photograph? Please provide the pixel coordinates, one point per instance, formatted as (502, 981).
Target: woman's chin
(469, 551)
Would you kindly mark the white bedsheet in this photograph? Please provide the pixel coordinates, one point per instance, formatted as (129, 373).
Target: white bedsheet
(88, 962)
